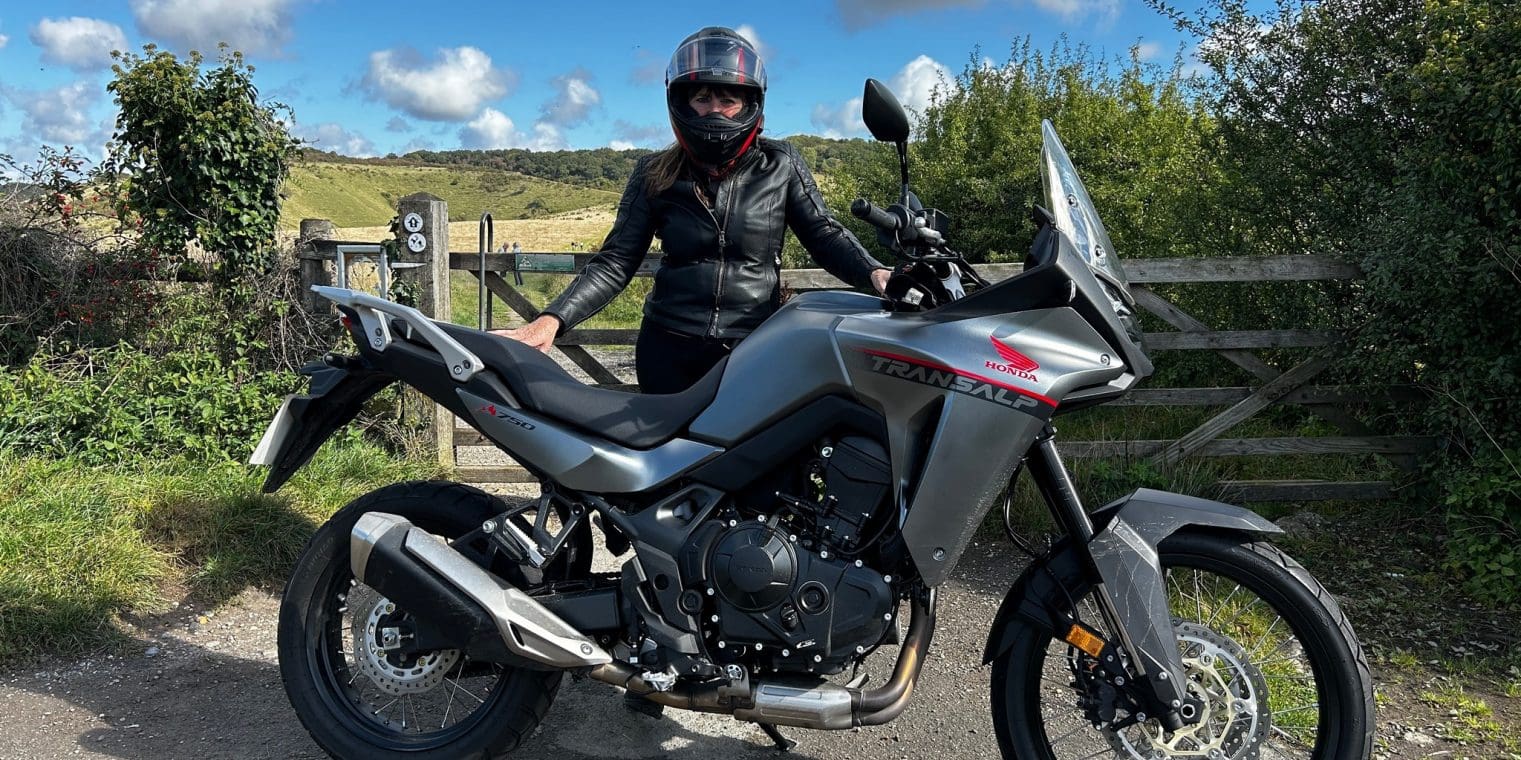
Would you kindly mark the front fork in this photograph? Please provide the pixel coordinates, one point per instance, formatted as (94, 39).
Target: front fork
(1131, 594)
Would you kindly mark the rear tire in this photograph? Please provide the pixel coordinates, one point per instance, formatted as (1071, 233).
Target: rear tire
(313, 658)
(1027, 696)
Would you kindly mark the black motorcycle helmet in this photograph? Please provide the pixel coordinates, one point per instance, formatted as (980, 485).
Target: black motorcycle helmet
(715, 56)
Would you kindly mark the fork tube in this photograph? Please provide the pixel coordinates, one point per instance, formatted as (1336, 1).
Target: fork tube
(1055, 485)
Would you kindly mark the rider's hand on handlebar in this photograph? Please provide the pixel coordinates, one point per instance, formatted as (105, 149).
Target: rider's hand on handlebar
(879, 278)
(539, 333)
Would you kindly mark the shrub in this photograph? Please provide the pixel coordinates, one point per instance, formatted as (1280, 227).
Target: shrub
(1389, 132)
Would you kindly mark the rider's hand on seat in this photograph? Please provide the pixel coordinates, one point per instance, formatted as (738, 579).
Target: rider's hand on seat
(879, 278)
(539, 333)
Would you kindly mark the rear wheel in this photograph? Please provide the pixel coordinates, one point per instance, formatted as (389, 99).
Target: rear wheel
(1267, 651)
(359, 698)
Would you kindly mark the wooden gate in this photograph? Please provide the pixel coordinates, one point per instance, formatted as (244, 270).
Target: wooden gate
(1274, 386)
(1270, 385)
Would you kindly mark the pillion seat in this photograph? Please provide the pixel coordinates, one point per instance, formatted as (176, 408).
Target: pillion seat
(636, 420)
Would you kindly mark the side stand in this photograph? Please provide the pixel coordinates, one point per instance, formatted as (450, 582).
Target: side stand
(783, 744)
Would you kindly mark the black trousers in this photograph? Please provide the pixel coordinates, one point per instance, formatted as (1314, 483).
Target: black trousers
(670, 362)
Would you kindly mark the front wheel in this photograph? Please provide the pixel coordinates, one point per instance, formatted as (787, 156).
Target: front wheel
(1267, 651)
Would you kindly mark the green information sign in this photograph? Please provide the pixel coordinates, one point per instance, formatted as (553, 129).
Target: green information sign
(546, 262)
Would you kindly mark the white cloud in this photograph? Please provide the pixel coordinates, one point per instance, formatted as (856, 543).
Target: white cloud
(621, 145)
(844, 121)
(60, 115)
(397, 124)
(1147, 50)
(450, 87)
(748, 32)
(574, 101)
(417, 143)
(650, 136)
(546, 137)
(494, 130)
(82, 44)
(252, 26)
(331, 136)
(915, 83)
(1073, 10)
(491, 130)
(4, 39)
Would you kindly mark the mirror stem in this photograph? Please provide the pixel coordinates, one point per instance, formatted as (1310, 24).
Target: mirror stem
(903, 169)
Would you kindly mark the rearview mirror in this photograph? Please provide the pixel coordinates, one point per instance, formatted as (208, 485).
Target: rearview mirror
(883, 115)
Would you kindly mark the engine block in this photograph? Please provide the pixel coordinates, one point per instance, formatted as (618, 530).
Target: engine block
(779, 605)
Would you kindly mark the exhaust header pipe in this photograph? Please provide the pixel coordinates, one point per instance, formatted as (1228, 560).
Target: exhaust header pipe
(823, 705)
(425, 576)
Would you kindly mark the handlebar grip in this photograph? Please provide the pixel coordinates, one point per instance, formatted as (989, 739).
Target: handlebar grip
(861, 208)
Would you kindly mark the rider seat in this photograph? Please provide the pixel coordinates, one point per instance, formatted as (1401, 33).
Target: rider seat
(635, 420)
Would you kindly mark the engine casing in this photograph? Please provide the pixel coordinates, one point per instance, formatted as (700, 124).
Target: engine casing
(781, 605)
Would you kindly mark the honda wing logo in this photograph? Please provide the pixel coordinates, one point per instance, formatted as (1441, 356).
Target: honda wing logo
(1014, 362)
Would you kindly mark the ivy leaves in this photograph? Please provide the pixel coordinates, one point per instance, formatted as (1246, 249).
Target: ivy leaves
(199, 159)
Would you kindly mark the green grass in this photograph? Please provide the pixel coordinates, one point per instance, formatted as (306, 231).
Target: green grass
(84, 546)
(624, 312)
(363, 195)
(1470, 719)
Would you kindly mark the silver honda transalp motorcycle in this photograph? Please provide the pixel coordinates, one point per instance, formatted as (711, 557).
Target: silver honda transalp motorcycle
(780, 518)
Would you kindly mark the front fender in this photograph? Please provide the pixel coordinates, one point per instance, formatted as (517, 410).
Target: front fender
(1146, 517)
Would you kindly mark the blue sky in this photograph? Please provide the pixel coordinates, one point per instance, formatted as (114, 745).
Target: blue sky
(382, 76)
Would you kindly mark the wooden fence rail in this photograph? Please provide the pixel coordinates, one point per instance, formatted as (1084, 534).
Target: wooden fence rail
(1274, 386)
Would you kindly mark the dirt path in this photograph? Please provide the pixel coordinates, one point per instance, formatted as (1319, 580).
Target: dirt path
(205, 686)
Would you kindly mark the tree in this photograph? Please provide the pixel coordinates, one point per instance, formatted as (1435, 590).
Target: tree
(1140, 142)
(196, 157)
(1389, 132)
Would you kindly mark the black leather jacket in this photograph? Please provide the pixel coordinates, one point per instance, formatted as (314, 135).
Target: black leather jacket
(721, 274)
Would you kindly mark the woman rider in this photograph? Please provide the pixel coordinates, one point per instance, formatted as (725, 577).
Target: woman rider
(718, 200)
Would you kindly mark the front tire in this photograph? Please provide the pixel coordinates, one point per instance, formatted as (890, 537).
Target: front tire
(1301, 682)
(341, 695)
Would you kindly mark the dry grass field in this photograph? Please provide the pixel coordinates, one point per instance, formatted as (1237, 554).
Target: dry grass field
(550, 233)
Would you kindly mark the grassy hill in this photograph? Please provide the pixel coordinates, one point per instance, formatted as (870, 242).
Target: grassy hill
(363, 195)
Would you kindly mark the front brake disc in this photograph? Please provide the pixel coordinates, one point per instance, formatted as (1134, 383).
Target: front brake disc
(1235, 718)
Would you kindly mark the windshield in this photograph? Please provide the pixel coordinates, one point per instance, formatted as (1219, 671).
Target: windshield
(1074, 211)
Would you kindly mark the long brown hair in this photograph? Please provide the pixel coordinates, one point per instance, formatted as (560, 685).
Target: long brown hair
(665, 168)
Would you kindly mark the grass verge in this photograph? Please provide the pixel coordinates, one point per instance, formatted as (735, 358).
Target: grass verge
(84, 546)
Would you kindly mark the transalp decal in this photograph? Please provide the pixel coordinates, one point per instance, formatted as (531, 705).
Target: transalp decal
(955, 380)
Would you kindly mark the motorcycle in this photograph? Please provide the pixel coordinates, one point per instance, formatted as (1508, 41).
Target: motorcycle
(788, 511)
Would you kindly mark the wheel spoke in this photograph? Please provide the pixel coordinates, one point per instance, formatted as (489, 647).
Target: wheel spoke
(1239, 649)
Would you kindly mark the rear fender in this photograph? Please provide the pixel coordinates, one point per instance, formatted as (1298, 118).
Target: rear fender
(1133, 526)
(333, 398)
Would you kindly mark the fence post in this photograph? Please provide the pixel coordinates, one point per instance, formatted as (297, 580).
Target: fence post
(313, 267)
(425, 235)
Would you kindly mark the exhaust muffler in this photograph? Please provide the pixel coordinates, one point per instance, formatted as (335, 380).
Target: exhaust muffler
(458, 601)
(471, 609)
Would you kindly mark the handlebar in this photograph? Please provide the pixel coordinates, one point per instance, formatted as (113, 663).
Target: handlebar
(862, 209)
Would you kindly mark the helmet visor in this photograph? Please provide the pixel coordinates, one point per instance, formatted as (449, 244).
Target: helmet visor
(716, 60)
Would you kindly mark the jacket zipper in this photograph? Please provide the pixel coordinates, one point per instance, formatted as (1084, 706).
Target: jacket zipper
(718, 285)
